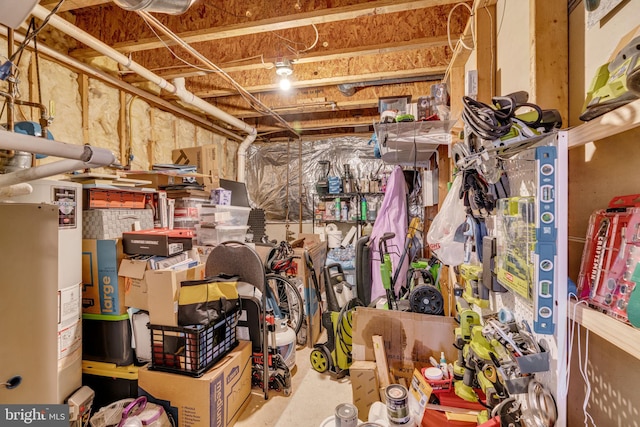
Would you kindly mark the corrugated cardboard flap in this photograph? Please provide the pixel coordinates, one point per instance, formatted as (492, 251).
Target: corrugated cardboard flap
(408, 337)
(132, 268)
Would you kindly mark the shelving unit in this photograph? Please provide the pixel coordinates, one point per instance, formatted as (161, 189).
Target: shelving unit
(617, 333)
(608, 168)
(328, 198)
(612, 123)
(412, 143)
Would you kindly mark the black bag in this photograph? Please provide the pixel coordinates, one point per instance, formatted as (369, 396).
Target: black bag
(204, 301)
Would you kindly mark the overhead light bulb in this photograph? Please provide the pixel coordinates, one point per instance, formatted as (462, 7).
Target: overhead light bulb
(284, 70)
(285, 84)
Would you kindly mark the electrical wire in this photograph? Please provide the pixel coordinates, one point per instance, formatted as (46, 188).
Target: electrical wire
(473, 34)
(31, 36)
(573, 325)
(175, 55)
(255, 103)
(306, 49)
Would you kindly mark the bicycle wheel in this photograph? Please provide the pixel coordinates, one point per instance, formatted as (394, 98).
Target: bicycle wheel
(288, 300)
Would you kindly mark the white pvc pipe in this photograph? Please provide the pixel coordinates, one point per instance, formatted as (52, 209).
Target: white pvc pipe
(108, 78)
(190, 98)
(242, 155)
(15, 190)
(32, 144)
(43, 171)
(97, 45)
(181, 92)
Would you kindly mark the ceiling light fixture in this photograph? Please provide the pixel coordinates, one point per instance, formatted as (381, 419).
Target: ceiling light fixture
(284, 70)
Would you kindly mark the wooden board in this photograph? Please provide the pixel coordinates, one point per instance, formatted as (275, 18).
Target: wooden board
(548, 26)
(381, 361)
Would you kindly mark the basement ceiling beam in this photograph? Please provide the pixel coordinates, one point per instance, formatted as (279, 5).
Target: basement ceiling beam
(72, 4)
(329, 81)
(423, 43)
(323, 16)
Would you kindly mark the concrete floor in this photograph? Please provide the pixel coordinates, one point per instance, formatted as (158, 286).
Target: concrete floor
(314, 399)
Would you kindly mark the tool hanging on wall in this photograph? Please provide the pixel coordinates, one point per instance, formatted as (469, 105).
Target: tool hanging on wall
(492, 131)
(615, 83)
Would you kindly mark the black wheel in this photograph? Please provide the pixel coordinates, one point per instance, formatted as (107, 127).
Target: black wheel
(288, 300)
(320, 358)
(427, 300)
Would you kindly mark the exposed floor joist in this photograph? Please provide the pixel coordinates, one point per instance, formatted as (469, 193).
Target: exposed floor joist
(322, 16)
(72, 4)
(311, 58)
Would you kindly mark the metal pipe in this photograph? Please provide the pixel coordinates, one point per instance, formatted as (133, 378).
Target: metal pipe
(44, 115)
(95, 44)
(108, 78)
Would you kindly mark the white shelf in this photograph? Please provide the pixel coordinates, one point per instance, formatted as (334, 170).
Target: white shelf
(614, 122)
(621, 335)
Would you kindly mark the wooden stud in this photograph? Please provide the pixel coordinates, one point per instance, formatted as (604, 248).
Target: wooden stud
(486, 52)
(549, 44)
(122, 128)
(456, 90)
(84, 106)
(151, 145)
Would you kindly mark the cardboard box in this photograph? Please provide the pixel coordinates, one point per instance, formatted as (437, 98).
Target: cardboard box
(111, 223)
(102, 290)
(364, 386)
(215, 399)
(162, 242)
(205, 158)
(156, 291)
(409, 338)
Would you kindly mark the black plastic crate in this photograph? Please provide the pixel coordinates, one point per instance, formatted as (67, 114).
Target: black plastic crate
(192, 350)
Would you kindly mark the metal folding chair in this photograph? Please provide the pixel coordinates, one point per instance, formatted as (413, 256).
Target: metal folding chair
(239, 259)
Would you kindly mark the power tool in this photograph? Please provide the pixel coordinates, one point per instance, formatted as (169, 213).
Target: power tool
(616, 83)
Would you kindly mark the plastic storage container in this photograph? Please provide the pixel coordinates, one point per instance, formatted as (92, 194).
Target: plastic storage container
(224, 215)
(109, 381)
(107, 338)
(221, 233)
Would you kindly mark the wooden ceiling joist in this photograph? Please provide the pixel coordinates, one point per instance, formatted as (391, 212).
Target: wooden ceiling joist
(370, 77)
(378, 7)
(255, 64)
(72, 4)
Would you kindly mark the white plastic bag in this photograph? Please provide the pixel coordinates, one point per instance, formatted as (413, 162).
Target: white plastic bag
(445, 236)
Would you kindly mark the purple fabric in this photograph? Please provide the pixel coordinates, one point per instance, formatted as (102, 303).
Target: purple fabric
(392, 217)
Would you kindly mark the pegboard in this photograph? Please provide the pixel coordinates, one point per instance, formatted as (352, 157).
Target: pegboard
(521, 170)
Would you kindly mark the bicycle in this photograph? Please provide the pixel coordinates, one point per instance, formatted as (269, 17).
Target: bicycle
(288, 301)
